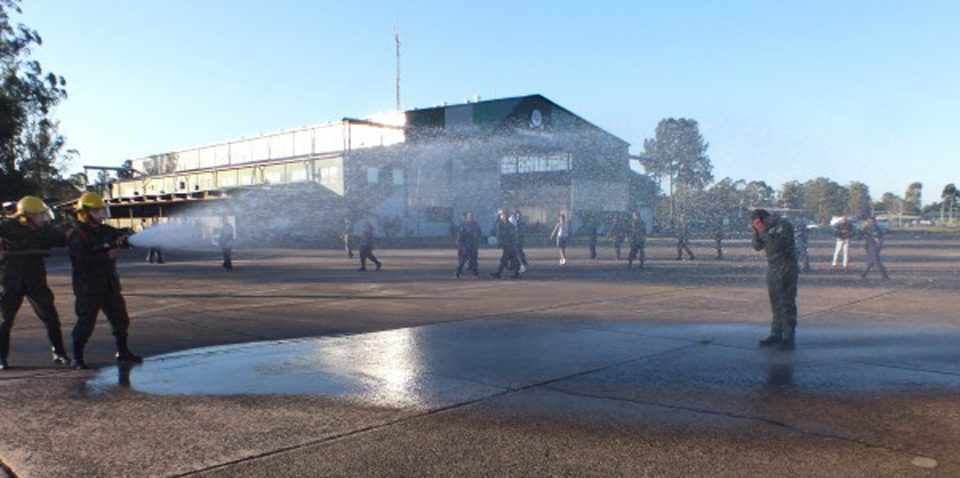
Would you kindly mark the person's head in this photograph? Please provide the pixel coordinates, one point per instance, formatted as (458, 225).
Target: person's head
(468, 216)
(760, 217)
(32, 211)
(502, 215)
(563, 216)
(636, 216)
(516, 212)
(92, 209)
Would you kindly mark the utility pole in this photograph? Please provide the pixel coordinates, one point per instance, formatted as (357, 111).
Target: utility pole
(396, 37)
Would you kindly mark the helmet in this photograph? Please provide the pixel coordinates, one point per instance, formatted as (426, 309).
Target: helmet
(91, 204)
(29, 205)
(90, 200)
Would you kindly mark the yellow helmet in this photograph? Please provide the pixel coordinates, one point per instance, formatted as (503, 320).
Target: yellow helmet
(90, 200)
(29, 205)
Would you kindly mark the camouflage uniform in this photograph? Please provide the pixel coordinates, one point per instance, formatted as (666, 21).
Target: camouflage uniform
(638, 242)
(782, 275)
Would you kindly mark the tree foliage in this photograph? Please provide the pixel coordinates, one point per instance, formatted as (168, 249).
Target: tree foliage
(31, 147)
(860, 202)
(678, 152)
(913, 198)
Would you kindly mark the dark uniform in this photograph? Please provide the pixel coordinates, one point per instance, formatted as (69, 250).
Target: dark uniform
(225, 242)
(506, 234)
(521, 226)
(718, 237)
(366, 249)
(638, 242)
(96, 286)
(594, 240)
(23, 273)
(468, 247)
(619, 234)
(782, 274)
(683, 244)
(873, 243)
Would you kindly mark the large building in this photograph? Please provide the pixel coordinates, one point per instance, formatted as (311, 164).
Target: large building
(412, 174)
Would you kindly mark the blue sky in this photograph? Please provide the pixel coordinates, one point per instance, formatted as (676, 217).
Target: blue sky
(866, 91)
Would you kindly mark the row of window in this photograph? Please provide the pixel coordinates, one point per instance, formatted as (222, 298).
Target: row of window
(521, 164)
(373, 176)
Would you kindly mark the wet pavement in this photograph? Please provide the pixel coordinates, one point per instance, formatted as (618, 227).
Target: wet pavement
(581, 371)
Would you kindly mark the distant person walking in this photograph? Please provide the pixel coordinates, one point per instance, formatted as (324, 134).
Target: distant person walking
(468, 245)
(843, 232)
(347, 232)
(638, 241)
(561, 233)
(154, 254)
(775, 236)
(618, 232)
(718, 236)
(366, 248)
(683, 243)
(506, 233)
(225, 238)
(520, 223)
(873, 242)
(594, 233)
(801, 238)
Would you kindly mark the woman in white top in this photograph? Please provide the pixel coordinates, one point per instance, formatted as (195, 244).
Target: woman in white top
(561, 232)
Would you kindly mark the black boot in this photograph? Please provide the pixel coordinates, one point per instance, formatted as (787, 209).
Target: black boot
(78, 363)
(60, 357)
(3, 364)
(123, 352)
(788, 342)
(770, 341)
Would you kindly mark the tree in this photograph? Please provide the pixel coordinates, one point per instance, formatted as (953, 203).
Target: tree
(860, 202)
(825, 199)
(678, 152)
(791, 195)
(913, 198)
(758, 194)
(30, 146)
(948, 200)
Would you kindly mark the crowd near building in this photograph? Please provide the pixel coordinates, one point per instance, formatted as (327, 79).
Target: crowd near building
(411, 174)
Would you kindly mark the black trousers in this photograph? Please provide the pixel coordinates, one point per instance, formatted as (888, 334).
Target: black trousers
(509, 260)
(593, 249)
(468, 256)
(41, 299)
(637, 252)
(88, 306)
(227, 258)
(155, 255)
(617, 245)
(682, 247)
(366, 253)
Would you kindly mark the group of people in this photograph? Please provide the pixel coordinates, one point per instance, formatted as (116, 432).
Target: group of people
(845, 230)
(25, 242)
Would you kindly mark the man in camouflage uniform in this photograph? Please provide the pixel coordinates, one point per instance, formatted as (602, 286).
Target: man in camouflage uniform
(638, 241)
(774, 235)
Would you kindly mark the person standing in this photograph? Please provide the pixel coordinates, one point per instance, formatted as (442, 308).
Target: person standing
(594, 233)
(638, 241)
(225, 237)
(775, 237)
(801, 237)
(506, 233)
(468, 245)
(520, 223)
(843, 232)
(873, 242)
(683, 239)
(94, 247)
(366, 248)
(347, 232)
(154, 254)
(25, 240)
(619, 234)
(718, 237)
(561, 233)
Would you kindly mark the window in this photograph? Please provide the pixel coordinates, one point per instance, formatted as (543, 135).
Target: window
(508, 165)
(398, 179)
(373, 175)
(535, 164)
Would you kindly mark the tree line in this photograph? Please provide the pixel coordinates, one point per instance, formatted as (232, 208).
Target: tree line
(677, 155)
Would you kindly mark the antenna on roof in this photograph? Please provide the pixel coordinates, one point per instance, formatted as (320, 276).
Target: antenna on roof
(396, 37)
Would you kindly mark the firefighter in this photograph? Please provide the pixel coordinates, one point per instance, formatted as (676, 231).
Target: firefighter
(25, 240)
(506, 234)
(638, 241)
(775, 236)
(94, 247)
